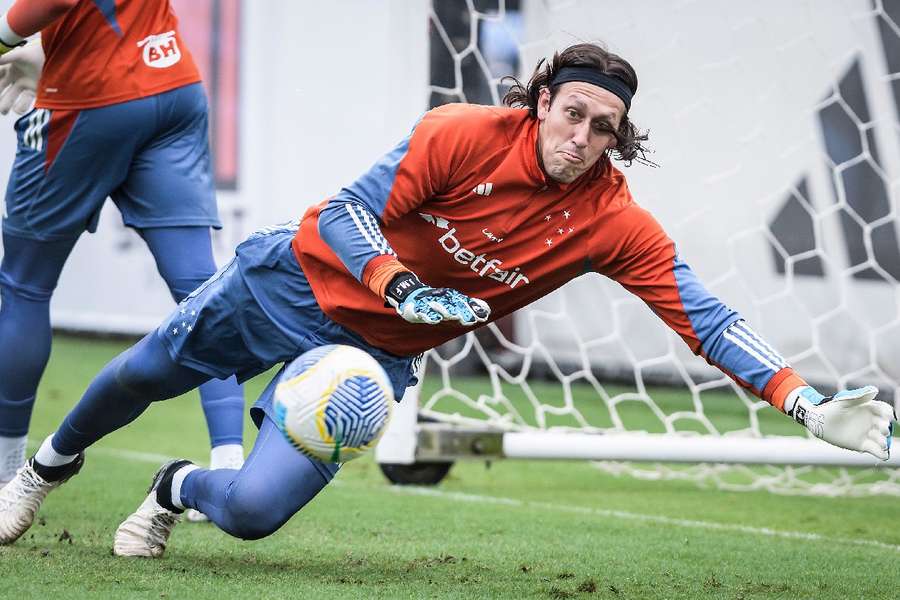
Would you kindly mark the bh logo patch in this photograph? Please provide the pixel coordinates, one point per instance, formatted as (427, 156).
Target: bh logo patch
(160, 50)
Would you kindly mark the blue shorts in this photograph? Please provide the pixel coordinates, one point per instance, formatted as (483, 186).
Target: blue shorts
(259, 311)
(150, 155)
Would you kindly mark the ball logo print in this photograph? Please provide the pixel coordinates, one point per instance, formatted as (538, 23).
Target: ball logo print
(160, 50)
(333, 403)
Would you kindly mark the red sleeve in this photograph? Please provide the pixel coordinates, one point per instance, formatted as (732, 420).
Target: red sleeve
(640, 257)
(27, 17)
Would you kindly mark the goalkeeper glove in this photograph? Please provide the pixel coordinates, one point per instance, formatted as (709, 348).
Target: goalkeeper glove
(419, 303)
(6, 46)
(20, 70)
(851, 419)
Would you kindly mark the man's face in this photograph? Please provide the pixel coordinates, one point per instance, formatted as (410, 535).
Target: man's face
(577, 128)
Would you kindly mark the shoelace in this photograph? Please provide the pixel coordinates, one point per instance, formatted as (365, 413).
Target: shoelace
(22, 488)
(161, 524)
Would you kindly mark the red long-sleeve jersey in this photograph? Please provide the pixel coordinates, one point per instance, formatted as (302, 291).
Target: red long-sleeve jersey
(101, 52)
(464, 203)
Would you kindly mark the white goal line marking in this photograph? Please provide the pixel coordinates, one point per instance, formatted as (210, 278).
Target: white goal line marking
(158, 459)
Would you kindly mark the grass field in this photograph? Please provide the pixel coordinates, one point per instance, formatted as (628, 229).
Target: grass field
(514, 530)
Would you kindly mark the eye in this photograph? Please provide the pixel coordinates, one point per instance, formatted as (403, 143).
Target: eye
(605, 129)
(573, 114)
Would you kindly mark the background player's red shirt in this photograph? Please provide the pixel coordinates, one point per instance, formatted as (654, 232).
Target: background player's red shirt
(102, 52)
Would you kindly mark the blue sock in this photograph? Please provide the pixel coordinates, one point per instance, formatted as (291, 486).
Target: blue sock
(184, 258)
(28, 276)
(122, 391)
(275, 482)
(223, 406)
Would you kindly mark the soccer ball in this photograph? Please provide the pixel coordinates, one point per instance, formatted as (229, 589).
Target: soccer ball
(333, 403)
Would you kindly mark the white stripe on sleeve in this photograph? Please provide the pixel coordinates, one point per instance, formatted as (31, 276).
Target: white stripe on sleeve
(745, 331)
(750, 350)
(362, 229)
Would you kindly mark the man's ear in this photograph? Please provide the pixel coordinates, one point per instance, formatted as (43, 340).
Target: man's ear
(543, 104)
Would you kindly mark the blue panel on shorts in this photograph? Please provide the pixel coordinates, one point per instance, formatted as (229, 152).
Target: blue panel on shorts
(150, 155)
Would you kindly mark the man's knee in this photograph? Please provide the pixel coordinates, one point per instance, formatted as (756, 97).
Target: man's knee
(251, 517)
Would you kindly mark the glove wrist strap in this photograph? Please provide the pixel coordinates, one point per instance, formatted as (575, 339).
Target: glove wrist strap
(401, 286)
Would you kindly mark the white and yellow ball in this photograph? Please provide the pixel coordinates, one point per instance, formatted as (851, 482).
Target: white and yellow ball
(333, 403)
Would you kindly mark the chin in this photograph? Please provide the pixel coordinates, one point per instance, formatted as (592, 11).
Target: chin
(564, 176)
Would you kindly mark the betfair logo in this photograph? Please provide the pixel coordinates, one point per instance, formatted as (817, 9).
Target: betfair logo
(481, 264)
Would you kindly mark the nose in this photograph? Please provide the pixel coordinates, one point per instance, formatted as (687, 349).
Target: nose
(581, 134)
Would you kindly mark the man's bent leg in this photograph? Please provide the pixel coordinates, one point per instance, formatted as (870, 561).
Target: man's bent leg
(276, 481)
(250, 503)
(143, 374)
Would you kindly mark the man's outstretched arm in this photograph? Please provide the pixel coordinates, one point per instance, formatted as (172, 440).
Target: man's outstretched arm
(650, 268)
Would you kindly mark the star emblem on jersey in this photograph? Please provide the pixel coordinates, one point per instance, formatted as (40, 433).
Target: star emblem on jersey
(557, 232)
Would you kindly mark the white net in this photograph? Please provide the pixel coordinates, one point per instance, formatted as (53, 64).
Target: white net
(777, 128)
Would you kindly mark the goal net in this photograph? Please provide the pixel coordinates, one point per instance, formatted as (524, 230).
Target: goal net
(777, 130)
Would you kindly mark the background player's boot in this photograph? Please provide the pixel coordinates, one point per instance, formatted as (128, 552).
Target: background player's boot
(21, 498)
(146, 531)
(227, 456)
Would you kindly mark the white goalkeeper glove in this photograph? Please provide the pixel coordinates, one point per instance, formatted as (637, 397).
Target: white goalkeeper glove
(419, 303)
(20, 69)
(851, 419)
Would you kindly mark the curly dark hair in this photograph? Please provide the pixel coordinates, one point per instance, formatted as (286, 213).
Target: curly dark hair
(630, 140)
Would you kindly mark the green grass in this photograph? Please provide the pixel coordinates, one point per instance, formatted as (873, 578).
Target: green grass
(514, 530)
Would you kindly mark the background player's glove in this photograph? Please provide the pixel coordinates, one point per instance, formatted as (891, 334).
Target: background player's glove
(7, 47)
(419, 303)
(20, 70)
(851, 419)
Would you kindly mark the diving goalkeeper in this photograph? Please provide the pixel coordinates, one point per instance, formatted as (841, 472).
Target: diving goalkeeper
(479, 212)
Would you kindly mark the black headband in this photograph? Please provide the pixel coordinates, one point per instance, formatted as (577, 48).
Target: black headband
(595, 77)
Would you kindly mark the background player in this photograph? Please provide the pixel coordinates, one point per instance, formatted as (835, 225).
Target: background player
(121, 113)
(360, 269)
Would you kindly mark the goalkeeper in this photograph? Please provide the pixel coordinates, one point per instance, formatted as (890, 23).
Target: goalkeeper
(480, 211)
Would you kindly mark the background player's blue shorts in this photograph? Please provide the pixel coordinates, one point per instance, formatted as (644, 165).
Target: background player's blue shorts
(258, 311)
(150, 155)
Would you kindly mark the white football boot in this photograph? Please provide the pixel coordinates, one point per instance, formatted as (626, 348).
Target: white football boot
(226, 456)
(21, 498)
(146, 531)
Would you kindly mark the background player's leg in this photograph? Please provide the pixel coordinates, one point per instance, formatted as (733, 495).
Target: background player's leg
(122, 390)
(28, 276)
(184, 258)
(275, 482)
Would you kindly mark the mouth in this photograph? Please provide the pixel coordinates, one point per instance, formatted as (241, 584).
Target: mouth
(572, 158)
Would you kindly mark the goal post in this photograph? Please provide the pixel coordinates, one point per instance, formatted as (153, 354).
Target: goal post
(776, 128)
